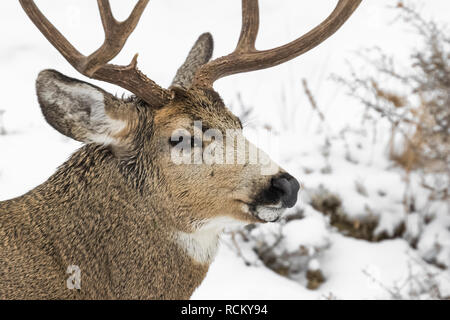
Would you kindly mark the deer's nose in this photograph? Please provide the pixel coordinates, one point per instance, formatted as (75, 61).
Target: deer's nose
(287, 187)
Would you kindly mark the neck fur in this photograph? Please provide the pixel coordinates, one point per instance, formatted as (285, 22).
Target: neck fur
(202, 244)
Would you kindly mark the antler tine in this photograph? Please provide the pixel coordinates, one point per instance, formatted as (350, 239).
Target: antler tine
(116, 34)
(96, 65)
(246, 58)
(250, 26)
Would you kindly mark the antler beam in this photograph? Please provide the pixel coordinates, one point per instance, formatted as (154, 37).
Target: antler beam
(246, 58)
(96, 65)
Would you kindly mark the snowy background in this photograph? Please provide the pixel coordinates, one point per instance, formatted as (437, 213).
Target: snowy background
(385, 253)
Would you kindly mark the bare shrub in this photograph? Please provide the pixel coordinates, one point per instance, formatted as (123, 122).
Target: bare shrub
(268, 245)
(419, 109)
(361, 227)
(414, 101)
(421, 282)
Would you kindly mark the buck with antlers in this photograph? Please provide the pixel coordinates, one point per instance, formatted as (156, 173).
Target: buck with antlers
(131, 221)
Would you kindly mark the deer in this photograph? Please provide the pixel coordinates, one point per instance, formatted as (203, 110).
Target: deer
(130, 221)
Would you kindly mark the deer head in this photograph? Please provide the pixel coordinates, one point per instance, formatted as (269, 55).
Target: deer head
(140, 131)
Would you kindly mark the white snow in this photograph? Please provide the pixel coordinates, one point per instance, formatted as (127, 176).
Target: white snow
(310, 231)
(230, 278)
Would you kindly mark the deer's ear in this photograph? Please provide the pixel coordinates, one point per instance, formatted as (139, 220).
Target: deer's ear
(79, 110)
(200, 54)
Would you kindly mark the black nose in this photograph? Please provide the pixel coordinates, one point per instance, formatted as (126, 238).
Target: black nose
(287, 187)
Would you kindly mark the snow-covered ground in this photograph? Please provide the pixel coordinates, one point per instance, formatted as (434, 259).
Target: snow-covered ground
(31, 150)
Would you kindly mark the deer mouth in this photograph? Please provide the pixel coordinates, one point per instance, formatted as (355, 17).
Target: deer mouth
(267, 212)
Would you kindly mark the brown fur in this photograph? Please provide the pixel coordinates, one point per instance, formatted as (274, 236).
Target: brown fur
(89, 215)
(116, 216)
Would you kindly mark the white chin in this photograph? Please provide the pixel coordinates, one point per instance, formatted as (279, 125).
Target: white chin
(269, 213)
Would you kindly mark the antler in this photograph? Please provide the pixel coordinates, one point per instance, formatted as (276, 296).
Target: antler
(246, 58)
(96, 65)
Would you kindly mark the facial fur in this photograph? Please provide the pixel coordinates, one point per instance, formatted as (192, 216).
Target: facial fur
(140, 138)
